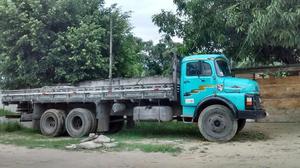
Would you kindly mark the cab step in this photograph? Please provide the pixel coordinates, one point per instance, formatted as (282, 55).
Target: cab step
(187, 119)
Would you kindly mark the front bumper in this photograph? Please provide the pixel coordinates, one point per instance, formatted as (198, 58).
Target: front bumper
(252, 114)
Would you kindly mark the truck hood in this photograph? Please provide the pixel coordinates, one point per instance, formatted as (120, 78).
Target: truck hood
(240, 85)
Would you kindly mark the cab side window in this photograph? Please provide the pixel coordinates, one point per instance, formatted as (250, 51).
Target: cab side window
(199, 68)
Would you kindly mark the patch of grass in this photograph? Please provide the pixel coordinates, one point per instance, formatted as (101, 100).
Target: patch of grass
(36, 141)
(147, 137)
(13, 133)
(4, 112)
(178, 130)
(165, 131)
(164, 148)
(10, 127)
(128, 139)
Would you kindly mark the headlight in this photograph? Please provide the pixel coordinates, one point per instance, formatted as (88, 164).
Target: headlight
(252, 101)
(249, 102)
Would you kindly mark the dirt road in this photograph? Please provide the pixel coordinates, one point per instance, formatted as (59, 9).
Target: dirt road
(280, 149)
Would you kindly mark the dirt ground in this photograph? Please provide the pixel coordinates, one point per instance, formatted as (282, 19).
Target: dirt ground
(280, 148)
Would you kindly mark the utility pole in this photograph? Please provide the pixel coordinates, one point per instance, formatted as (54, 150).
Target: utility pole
(110, 51)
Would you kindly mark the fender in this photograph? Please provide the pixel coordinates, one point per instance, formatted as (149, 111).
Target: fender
(215, 100)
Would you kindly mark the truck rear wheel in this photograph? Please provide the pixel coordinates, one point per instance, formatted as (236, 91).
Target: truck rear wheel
(93, 122)
(80, 122)
(241, 125)
(217, 123)
(52, 122)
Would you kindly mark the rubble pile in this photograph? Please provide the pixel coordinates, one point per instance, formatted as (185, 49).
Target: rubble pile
(94, 141)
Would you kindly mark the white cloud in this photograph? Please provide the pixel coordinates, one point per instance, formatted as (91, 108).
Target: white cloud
(142, 12)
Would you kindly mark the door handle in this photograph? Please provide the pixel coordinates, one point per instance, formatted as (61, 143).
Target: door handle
(186, 81)
(202, 80)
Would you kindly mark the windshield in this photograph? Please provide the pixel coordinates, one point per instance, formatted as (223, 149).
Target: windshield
(222, 68)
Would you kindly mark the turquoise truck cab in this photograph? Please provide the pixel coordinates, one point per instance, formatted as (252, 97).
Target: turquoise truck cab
(207, 85)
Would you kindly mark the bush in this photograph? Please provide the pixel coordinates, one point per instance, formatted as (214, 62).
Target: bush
(10, 127)
(4, 112)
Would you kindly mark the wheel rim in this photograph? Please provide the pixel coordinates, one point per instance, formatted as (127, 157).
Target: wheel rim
(217, 125)
(77, 123)
(50, 122)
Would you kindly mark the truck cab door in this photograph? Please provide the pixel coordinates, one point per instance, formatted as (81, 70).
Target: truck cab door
(197, 83)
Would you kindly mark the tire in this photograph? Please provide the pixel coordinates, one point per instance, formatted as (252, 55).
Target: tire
(79, 122)
(93, 122)
(241, 125)
(217, 123)
(115, 127)
(52, 122)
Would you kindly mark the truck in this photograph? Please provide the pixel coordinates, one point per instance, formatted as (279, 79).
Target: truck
(201, 90)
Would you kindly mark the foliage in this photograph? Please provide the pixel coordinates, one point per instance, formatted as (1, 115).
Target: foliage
(262, 31)
(47, 41)
(157, 58)
(4, 112)
(10, 127)
(80, 49)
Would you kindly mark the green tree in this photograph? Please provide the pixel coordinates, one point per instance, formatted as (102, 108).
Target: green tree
(259, 31)
(77, 55)
(45, 42)
(157, 58)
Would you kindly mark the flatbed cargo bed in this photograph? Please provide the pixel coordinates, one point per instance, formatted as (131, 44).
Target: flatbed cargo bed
(102, 90)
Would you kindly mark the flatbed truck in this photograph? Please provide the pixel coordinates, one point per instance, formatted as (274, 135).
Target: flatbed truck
(201, 91)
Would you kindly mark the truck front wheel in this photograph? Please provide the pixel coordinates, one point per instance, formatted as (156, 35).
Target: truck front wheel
(52, 122)
(217, 123)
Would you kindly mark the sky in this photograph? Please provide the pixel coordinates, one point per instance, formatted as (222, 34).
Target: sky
(141, 17)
